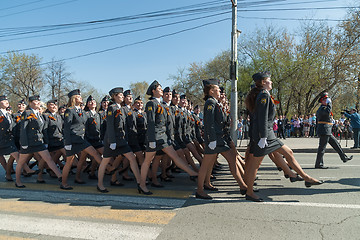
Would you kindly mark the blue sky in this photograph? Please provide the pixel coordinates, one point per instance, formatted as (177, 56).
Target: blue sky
(151, 60)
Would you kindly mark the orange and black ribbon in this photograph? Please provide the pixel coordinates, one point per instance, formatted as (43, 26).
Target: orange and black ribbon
(276, 102)
(168, 111)
(18, 118)
(140, 115)
(31, 116)
(129, 113)
(52, 118)
(80, 114)
(176, 112)
(198, 123)
(118, 112)
(104, 117)
(2, 119)
(160, 109)
(94, 122)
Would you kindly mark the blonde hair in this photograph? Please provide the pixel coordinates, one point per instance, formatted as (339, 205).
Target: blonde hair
(71, 101)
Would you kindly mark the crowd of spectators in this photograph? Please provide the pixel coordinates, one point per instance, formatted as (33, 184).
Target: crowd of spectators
(299, 126)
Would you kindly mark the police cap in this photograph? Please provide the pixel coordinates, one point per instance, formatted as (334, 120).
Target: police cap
(211, 81)
(115, 91)
(33, 98)
(74, 92)
(261, 75)
(152, 87)
(127, 92)
(3, 97)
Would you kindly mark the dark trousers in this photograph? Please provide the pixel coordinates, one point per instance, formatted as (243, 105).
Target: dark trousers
(323, 140)
(356, 137)
(282, 133)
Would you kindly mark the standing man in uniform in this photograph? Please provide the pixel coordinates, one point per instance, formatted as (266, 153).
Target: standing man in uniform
(324, 126)
(355, 124)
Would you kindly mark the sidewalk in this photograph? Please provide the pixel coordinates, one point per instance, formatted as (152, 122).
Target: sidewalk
(306, 145)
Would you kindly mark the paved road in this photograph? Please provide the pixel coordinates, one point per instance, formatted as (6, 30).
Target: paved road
(290, 211)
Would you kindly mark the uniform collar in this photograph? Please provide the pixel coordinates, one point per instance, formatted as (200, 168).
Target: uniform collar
(158, 99)
(118, 104)
(3, 111)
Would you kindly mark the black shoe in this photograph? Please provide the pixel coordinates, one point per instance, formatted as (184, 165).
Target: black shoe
(309, 184)
(247, 197)
(243, 191)
(141, 191)
(347, 159)
(65, 187)
(60, 179)
(212, 177)
(354, 147)
(116, 183)
(321, 167)
(286, 176)
(102, 190)
(279, 169)
(193, 178)
(40, 181)
(203, 197)
(92, 177)
(296, 179)
(127, 178)
(157, 185)
(20, 186)
(255, 189)
(165, 179)
(9, 179)
(212, 188)
(79, 182)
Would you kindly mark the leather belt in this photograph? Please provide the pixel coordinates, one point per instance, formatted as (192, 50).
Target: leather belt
(321, 122)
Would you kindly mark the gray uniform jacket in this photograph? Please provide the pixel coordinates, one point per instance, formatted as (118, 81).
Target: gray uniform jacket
(53, 129)
(92, 127)
(115, 126)
(31, 129)
(179, 123)
(74, 126)
(6, 127)
(263, 117)
(157, 119)
(323, 120)
(130, 125)
(213, 122)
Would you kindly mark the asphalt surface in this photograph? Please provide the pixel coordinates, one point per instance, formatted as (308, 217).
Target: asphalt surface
(290, 210)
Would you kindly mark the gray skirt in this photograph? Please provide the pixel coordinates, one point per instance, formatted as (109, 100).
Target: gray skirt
(273, 145)
(8, 150)
(221, 146)
(108, 152)
(33, 149)
(77, 147)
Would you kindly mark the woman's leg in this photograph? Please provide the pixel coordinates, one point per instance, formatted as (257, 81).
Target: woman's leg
(133, 165)
(231, 159)
(101, 172)
(194, 152)
(251, 167)
(139, 157)
(189, 159)
(92, 152)
(82, 160)
(145, 169)
(289, 155)
(154, 168)
(205, 168)
(66, 170)
(280, 162)
(20, 163)
(178, 161)
(45, 155)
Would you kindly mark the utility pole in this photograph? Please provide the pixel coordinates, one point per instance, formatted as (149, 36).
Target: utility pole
(234, 74)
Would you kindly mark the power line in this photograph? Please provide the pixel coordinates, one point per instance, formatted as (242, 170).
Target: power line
(293, 9)
(30, 10)
(117, 34)
(140, 42)
(21, 5)
(293, 19)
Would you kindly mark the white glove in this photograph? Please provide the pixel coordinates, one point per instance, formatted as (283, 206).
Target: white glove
(113, 146)
(328, 100)
(212, 145)
(262, 142)
(152, 144)
(68, 147)
(46, 145)
(24, 147)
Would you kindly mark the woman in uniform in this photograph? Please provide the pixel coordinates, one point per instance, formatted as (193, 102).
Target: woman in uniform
(92, 135)
(74, 135)
(157, 136)
(32, 139)
(263, 141)
(7, 142)
(215, 143)
(115, 142)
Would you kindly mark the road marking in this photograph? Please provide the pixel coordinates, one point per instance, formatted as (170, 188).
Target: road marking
(86, 212)
(76, 229)
(308, 204)
(5, 237)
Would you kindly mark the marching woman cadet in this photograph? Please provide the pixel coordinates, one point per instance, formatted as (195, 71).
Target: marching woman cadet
(214, 121)
(92, 135)
(263, 141)
(141, 123)
(7, 142)
(156, 136)
(32, 139)
(52, 135)
(115, 142)
(74, 135)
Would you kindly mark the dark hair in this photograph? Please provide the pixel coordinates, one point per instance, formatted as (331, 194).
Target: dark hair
(207, 89)
(251, 97)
